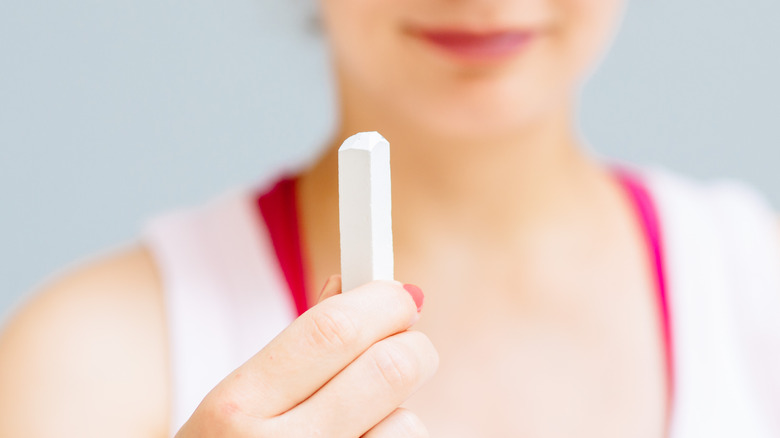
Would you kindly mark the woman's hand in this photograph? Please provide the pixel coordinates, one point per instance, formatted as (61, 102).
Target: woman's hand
(340, 370)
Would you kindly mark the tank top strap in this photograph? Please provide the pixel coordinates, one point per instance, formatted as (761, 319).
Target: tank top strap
(645, 209)
(279, 209)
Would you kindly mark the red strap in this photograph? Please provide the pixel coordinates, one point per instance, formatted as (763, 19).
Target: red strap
(645, 209)
(280, 213)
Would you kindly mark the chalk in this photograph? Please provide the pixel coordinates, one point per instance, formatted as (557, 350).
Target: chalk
(365, 221)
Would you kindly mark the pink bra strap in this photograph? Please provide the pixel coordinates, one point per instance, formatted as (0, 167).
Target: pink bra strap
(280, 213)
(645, 209)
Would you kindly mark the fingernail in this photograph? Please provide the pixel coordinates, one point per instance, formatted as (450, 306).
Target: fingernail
(417, 295)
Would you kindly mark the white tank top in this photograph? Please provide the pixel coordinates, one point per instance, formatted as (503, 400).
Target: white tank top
(226, 297)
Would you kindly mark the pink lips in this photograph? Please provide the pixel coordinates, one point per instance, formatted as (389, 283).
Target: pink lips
(471, 46)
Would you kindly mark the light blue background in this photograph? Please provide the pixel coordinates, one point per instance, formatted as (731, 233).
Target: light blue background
(111, 112)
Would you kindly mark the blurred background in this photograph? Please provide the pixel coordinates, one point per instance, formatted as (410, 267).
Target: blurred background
(112, 112)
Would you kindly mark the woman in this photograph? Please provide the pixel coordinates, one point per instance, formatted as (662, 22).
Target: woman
(563, 297)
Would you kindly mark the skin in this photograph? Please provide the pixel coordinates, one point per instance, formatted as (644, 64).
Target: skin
(493, 194)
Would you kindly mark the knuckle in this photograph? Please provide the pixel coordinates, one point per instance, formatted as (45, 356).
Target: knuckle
(223, 412)
(426, 349)
(287, 427)
(393, 366)
(410, 424)
(332, 328)
(430, 352)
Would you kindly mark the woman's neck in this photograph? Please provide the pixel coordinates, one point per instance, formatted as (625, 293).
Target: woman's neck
(498, 184)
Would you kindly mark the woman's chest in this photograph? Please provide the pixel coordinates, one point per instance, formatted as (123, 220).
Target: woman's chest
(538, 370)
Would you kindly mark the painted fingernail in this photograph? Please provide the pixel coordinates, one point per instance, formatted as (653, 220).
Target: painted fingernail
(417, 295)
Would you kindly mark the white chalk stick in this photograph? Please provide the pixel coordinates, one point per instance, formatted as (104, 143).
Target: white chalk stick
(365, 210)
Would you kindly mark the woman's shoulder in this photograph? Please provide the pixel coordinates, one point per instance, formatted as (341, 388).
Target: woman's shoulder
(665, 182)
(218, 255)
(96, 342)
(103, 342)
(725, 206)
(732, 211)
(722, 252)
(225, 293)
(723, 227)
(89, 350)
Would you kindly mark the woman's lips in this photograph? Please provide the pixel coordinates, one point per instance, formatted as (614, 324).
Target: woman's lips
(472, 46)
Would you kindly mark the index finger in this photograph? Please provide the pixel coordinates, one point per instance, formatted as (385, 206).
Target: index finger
(319, 344)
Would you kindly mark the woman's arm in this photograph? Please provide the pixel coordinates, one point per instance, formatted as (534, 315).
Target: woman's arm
(87, 357)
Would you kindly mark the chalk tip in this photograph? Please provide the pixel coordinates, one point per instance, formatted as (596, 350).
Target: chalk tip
(365, 141)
